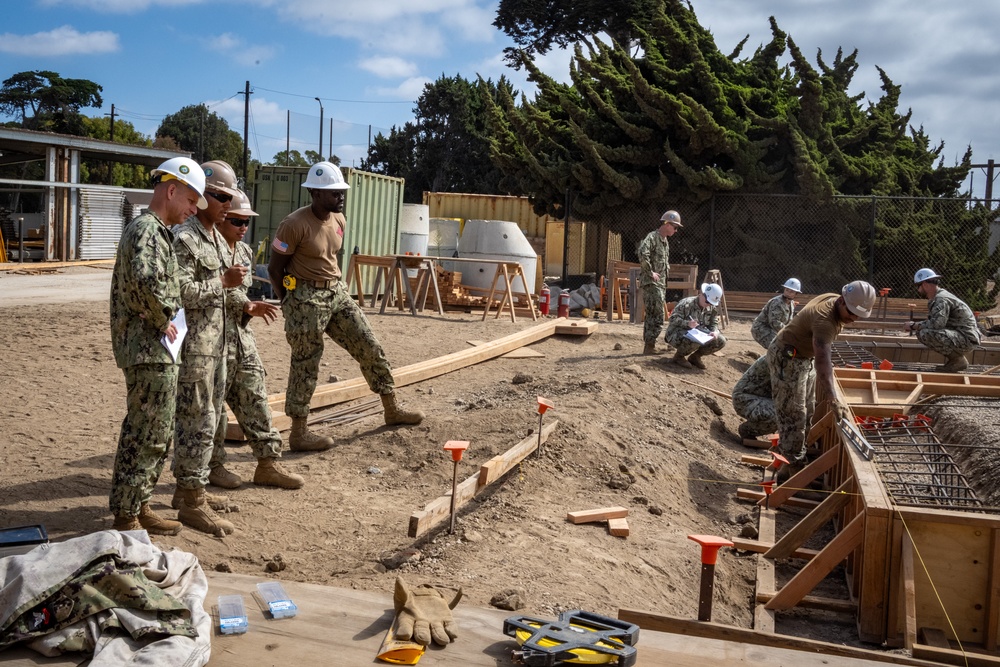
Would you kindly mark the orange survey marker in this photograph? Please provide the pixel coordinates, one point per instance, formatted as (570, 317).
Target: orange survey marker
(543, 405)
(710, 546)
(457, 448)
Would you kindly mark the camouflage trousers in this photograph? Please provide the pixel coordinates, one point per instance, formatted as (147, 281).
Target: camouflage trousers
(793, 389)
(763, 334)
(145, 435)
(246, 396)
(309, 313)
(686, 346)
(653, 298)
(759, 413)
(200, 391)
(946, 342)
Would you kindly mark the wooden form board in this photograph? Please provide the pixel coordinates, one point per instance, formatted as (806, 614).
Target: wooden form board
(883, 393)
(908, 350)
(895, 308)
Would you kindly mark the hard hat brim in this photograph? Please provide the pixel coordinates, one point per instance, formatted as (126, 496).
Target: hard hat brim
(335, 186)
(221, 188)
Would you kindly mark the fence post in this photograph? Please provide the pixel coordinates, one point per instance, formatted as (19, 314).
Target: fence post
(871, 243)
(711, 232)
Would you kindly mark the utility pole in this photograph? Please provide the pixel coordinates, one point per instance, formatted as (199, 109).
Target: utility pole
(246, 124)
(288, 134)
(329, 151)
(990, 168)
(320, 128)
(111, 134)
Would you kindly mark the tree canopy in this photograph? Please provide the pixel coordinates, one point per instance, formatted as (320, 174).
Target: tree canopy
(203, 133)
(43, 100)
(121, 174)
(294, 158)
(446, 147)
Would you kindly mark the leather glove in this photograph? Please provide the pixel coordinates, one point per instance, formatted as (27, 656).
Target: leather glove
(423, 613)
(840, 411)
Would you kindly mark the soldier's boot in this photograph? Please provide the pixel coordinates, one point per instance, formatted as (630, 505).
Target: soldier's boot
(746, 433)
(219, 476)
(681, 361)
(955, 364)
(302, 439)
(649, 348)
(126, 522)
(195, 513)
(396, 415)
(697, 360)
(271, 473)
(217, 502)
(788, 471)
(156, 524)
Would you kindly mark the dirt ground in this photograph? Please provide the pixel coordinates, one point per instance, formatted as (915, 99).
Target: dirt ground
(632, 433)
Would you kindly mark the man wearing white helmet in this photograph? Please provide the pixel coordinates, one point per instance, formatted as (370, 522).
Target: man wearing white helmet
(696, 312)
(950, 328)
(654, 263)
(305, 276)
(776, 313)
(145, 298)
(201, 384)
(806, 340)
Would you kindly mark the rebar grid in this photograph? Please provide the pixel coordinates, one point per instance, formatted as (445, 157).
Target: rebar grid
(915, 466)
(846, 355)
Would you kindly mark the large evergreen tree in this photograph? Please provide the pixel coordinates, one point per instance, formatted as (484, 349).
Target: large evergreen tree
(43, 100)
(203, 133)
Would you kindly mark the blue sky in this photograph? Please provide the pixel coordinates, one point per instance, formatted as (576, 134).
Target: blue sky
(368, 61)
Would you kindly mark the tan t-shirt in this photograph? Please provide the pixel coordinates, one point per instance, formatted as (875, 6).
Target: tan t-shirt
(312, 243)
(817, 321)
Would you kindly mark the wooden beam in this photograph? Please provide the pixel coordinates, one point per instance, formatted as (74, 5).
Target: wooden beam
(618, 527)
(906, 573)
(760, 546)
(802, 479)
(602, 514)
(690, 628)
(817, 602)
(763, 618)
(839, 548)
(758, 497)
(576, 327)
(501, 464)
(952, 657)
(993, 596)
(812, 522)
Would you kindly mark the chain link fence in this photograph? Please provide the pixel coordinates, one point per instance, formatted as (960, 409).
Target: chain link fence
(759, 241)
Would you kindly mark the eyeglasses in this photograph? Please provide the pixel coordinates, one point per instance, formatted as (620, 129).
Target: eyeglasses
(220, 197)
(239, 222)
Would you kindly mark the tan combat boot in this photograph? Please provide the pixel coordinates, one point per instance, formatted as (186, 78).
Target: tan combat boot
(955, 364)
(649, 348)
(681, 361)
(271, 473)
(302, 439)
(219, 476)
(395, 415)
(697, 361)
(126, 522)
(155, 524)
(217, 502)
(195, 513)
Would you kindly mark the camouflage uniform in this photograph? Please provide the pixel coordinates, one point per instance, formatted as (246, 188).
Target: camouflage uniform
(687, 309)
(775, 314)
(145, 296)
(950, 328)
(246, 393)
(753, 400)
(310, 312)
(654, 257)
(202, 382)
(794, 398)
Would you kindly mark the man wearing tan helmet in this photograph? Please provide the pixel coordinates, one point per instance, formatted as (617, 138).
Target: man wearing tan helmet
(806, 340)
(654, 263)
(246, 393)
(202, 380)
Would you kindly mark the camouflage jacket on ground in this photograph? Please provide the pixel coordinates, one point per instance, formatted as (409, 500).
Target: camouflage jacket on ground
(654, 256)
(145, 292)
(199, 260)
(240, 342)
(687, 309)
(775, 314)
(947, 311)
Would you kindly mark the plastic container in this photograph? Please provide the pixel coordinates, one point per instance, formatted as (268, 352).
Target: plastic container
(232, 615)
(278, 602)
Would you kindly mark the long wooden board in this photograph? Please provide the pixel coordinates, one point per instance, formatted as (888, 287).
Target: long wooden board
(501, 464)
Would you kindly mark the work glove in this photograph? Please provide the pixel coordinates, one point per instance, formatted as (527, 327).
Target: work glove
(424, 612)
(840, 411)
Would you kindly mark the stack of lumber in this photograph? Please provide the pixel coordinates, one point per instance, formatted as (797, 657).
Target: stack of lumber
(614, 516)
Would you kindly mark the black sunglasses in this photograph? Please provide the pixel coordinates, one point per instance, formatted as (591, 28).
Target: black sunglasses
(239, 222)
(220, 197)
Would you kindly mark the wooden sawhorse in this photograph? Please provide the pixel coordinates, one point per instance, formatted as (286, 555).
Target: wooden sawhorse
(381, 265)
(426, 281)
(508, 271)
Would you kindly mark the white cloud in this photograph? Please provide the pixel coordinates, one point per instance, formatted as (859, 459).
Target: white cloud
(410, 89)
(240, 53)
(263, 111)
(62, 41)
(388, 67)
(118, 6)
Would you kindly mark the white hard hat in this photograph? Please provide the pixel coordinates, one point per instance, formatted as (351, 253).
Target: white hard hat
(793, 284)
(673, 217)
(325, 176)
(712, 292)
(924, 274)
(241, 206)
(187, 171)
(859, 297)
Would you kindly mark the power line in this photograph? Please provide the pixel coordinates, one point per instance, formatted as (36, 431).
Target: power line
(334, 99)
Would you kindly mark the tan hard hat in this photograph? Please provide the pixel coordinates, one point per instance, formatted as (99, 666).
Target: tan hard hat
(241, 207)
(673, 217)
(220, 177)
(859, 297)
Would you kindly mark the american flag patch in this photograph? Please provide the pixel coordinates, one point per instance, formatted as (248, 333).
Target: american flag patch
(340, 231)
(279, 245)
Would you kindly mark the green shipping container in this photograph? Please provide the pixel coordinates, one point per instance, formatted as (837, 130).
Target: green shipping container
(373, 206)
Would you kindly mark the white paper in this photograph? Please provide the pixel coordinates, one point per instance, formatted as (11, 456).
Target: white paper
(174, 348)
(698, 336)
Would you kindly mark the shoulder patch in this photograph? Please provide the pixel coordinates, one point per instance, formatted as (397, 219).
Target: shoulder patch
(279, 245)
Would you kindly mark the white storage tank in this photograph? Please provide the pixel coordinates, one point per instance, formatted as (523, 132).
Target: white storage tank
(495, 239)
(414, 225)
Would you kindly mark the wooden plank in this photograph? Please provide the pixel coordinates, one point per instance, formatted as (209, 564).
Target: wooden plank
(953, 657)
(691, 628)
(760, 461)
(519, 353)
(812, 522)
(763, 618)
(618, 527)
(758, 497)
(501, 464)
(801, 479)
(934, 637)
(909, 594)
(602, 514)
(761, 546)
(816, 570)
(993, 595)
(816, 602)
(576, 328)
(439, 509)
(754, 443)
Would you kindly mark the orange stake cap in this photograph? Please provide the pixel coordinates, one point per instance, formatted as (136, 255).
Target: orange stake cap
(886, 365)
(710, 546)
(768, 486)
(868, 365)
(544, 404)
(884, 291)
(777, 460)
(774, 438)
(456, 447)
